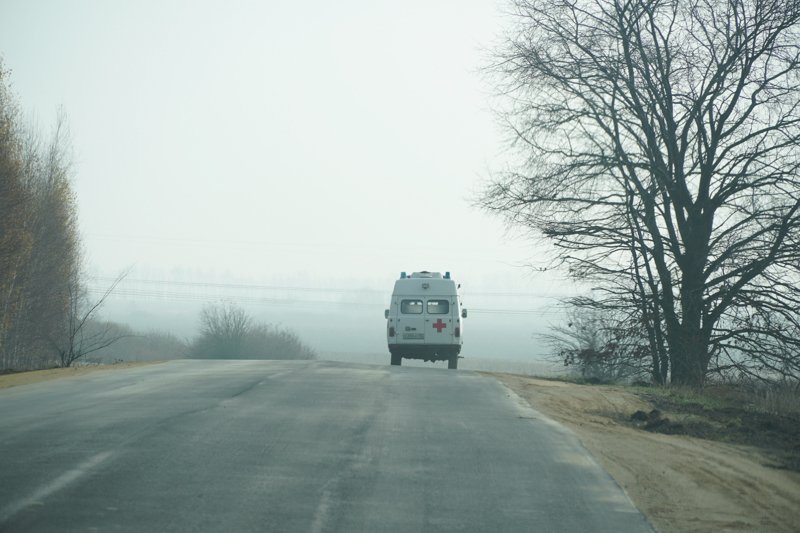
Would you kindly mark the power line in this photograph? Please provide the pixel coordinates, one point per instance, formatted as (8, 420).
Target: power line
(244, 286)
(257, 244)
(176, 296)
(198, 291)
(249, 286)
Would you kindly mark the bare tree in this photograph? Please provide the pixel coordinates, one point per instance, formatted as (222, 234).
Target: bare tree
(223, 332)
(51, 266)
(13, 201)
(39, 245)
(80, 335)
(660, 142)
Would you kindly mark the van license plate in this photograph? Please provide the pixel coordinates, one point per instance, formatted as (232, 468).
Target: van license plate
(413, 336)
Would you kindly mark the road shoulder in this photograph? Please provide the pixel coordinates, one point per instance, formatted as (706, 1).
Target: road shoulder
(680, 483)
(16, 379)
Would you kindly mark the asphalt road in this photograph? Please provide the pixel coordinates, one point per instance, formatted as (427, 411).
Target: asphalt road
(293, 446)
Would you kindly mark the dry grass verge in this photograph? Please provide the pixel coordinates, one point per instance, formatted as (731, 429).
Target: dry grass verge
(681, 482)
(15, 379)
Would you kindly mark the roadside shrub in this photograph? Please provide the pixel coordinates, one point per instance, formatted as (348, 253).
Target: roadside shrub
(227, 332)
(135, 345)
(265, 341)
(599, 348)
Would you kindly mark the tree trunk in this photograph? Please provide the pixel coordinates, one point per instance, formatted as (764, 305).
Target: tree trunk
(689, 356)
(688, 345)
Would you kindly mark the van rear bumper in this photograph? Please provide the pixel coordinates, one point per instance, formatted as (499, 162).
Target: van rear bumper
(426, 352)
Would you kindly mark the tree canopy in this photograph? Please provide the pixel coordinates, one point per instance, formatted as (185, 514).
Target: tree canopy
(660, 158)
(39, 245)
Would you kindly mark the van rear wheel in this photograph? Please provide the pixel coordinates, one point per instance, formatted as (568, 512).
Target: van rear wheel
(452, 363)
(397, 359)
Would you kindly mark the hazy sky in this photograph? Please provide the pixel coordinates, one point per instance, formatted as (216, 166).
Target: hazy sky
(274, 141)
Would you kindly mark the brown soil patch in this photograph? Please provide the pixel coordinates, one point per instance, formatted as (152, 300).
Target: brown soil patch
(15, 379)
(679, 481)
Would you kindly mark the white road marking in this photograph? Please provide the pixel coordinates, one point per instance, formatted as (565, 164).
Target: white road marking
(8, 512)
(322, 514)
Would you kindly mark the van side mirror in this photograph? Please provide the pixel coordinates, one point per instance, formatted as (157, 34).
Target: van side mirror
(463, 313)
(386, 314)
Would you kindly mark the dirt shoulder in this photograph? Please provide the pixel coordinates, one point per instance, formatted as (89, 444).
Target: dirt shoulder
(680, 482)
(35, 376)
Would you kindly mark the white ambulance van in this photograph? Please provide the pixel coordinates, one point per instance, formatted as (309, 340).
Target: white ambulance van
(425, 319)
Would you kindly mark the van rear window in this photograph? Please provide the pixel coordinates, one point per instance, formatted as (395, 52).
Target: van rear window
(438, 307)
(411, 307)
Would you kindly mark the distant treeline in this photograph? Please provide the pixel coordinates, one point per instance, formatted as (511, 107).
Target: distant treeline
(40, 259)
(226, 332)
(133, 345)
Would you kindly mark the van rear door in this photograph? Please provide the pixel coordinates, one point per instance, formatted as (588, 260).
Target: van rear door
(439, 325)
(411, 321)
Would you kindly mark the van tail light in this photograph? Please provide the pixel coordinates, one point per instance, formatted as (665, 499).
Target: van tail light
(458, 331)
(391, 331)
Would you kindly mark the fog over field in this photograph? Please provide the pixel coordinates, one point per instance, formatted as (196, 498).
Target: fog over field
(291, 158)
(336, 320)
